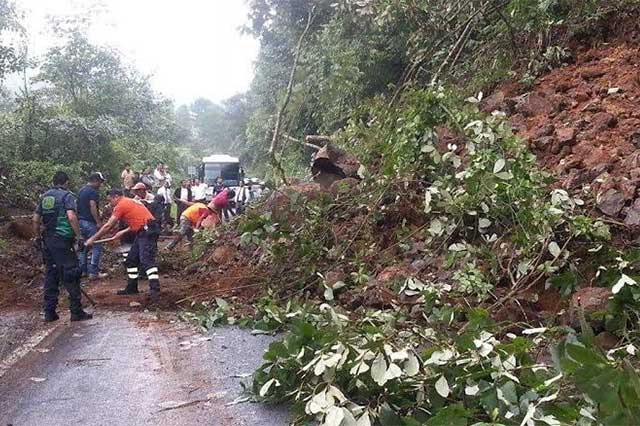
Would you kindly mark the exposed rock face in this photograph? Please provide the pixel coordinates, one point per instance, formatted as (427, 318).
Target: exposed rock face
(582, 121)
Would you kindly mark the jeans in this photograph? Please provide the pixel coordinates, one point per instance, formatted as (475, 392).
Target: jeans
(91, 267)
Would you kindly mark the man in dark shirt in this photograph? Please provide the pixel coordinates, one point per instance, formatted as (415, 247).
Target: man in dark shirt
(89, 218)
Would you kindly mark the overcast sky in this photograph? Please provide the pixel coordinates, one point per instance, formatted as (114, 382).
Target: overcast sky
(193, 48)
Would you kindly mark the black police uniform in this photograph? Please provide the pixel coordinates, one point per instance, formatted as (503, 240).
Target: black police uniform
(58, 252)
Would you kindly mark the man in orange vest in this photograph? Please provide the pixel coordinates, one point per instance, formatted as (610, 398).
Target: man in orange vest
(145, 245)
(190, 220)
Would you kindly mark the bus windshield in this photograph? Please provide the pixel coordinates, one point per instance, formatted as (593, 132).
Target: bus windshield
(230, 173)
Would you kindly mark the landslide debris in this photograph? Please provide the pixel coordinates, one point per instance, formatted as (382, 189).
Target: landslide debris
(583, 124)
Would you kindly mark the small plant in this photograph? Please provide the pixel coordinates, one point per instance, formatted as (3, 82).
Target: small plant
(472, 281)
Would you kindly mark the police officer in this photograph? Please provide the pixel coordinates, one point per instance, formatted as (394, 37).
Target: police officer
(56, 223)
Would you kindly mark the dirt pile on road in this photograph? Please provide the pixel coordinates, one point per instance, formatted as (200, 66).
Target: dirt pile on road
(583, 123)
(20, 265)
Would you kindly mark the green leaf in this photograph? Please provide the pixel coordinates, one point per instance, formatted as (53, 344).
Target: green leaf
(388, 417)
(379, 370)
(453, 415)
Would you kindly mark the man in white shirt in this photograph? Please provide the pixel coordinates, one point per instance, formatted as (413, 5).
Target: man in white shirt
(199, 190)
(159, 174)
(167, 175)
(165, 192)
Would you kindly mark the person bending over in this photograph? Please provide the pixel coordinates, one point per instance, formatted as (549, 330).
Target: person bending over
(142, 254)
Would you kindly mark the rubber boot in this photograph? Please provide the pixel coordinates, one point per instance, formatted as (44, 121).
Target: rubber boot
(80, 316)
(51, 316)
(154, 289)
(131, 288)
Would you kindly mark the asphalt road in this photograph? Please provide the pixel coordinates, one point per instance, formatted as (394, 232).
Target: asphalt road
(134, 369)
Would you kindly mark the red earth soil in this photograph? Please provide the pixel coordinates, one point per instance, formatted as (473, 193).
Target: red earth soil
(583, 123)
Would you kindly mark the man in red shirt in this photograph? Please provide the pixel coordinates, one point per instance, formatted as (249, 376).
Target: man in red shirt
(145, 246)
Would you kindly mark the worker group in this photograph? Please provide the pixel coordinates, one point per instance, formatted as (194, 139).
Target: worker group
(70, 232)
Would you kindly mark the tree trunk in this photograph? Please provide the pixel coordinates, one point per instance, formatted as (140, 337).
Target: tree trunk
(275, 140)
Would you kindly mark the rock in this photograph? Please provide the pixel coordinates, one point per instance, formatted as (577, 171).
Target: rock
(604, 120)
(495, 102)
(581, 96)
(606, 340)
(633, 214)
(331, 164)
(544, 142)
(542, 131)
(532, 104)
(335, 276)
(419, 264)
(590, 300)
(628, 189)
(393, 273)
(566, 136)
(610, 202)
(591, 73)
(635, 139)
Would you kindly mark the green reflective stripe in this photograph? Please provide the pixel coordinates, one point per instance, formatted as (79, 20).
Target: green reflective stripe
(63, 227)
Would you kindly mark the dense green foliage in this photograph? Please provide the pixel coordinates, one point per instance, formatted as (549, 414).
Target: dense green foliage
(357, 50)
(83, 110)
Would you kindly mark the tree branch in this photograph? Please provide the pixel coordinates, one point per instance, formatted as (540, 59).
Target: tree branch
(275, 163)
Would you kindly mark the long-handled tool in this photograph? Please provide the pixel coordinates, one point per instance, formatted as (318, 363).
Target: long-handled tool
(84, 293)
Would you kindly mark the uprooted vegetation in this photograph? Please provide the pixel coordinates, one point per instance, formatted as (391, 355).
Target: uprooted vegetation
(436, 291)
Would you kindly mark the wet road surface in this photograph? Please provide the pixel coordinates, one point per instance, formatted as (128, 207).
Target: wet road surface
(135, 368)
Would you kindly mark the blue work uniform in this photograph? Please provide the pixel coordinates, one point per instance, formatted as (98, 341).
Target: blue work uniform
(58, 252)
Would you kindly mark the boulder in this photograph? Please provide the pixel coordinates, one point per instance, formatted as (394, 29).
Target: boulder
(495, 102)
(331, 164)
(610, 202)
(633, 214)
(532, 104)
